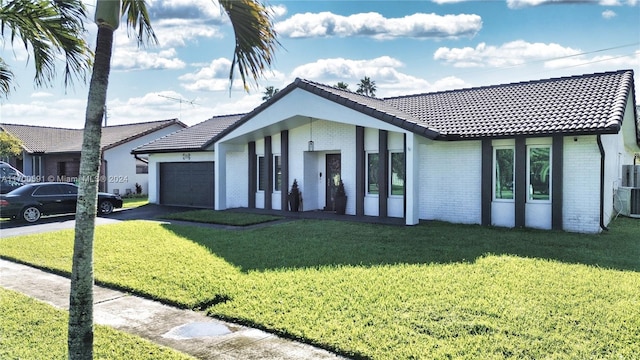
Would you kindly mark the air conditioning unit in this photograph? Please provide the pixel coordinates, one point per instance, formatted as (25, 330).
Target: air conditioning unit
(630, 176)
(628, 201)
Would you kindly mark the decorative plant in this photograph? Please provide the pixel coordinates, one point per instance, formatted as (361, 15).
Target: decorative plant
(138, 189)
(294, 197)
(340, 201)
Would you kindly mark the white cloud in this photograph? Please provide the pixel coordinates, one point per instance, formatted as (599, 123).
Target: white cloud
(327, 24)
(509, 54)
(516, 4)
(384, 70)
(180, 32)
(128, 58)
(215, 77)
(598, 62)
(608, 14)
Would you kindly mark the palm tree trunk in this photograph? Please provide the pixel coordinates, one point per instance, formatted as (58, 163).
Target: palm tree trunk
(80, 341)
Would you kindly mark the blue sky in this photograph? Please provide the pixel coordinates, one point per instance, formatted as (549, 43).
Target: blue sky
(406, 47)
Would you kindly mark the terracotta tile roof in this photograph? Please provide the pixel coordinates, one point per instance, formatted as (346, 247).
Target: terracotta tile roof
(194, 138)
(586, 104)
(41, 139)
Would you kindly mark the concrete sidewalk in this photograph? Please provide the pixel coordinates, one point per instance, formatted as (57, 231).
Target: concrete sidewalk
(187, 331)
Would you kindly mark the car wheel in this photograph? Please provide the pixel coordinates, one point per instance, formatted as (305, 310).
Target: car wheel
(105, 207)
(31, 214)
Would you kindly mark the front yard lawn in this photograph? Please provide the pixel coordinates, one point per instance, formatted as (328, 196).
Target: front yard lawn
(34, 330)
(384, 292)
(221, 217)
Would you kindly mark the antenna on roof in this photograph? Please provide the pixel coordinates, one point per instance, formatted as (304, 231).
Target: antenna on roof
(180, 100)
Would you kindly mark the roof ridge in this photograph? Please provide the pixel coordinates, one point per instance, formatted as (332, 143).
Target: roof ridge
(41, 127)
(504, 85)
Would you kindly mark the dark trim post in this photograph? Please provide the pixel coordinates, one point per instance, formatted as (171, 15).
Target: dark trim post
(557, 175)
(268, 159)
(253, 177)
(487, 181)
(521, 181)
(383, 172)
(284, 164)
(361, 164)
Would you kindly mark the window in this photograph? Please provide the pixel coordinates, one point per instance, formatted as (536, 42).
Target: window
(142, 166)
(397, 173)
(372, 173)
(539, 166)
(62, 168)
(277, 173)
(262, 174)
(503, 180)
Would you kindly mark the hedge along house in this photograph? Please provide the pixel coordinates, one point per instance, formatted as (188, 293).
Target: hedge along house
(542, 154)
(181, 164)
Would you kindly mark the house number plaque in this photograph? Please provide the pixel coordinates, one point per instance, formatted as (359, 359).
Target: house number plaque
(186, 156)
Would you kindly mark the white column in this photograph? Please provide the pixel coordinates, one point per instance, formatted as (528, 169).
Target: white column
(412, 179)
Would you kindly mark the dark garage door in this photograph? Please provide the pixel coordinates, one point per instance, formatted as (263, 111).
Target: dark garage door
(187, 184)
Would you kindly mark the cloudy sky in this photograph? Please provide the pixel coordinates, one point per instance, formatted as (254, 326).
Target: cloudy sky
(406, 47)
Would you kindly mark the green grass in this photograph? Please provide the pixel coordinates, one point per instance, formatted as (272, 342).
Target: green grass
(222, 217)
(34, 330)
(432, 291)
(134, 201)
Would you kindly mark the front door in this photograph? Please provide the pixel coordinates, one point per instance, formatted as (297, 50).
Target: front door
(333, 179)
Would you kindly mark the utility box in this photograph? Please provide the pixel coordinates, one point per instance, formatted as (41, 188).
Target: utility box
(631, 175)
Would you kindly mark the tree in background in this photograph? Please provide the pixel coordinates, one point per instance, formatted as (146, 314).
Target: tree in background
(10, 145)
(269, 92)
(253, 53)
(367, 87)
(342, 85)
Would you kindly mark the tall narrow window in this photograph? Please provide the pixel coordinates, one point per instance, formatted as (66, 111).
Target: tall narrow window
(397, 173)
(539, 164)
(372, 173)
(503, 173)
(262, 174)
(277, 173)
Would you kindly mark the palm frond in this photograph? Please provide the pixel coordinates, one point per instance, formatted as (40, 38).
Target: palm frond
(6, 78)
(49, 28)
(138, 19)
(255, 38)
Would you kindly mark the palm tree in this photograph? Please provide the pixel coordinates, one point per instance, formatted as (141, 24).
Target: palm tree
(367, 87)
(342, 85)
(48, 28)
(253, 52)
(269, 92)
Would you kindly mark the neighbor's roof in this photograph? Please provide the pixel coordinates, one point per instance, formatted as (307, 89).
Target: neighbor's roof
(41, 139)
(194, 138)
(584, 104)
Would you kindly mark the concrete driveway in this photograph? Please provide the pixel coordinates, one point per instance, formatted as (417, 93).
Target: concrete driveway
(61, 222)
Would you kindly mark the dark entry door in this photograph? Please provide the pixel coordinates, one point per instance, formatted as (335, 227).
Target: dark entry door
(333, 179)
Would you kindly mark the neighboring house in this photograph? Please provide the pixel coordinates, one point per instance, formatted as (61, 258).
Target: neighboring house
(53, 154)
(543, 154)
(181, 169)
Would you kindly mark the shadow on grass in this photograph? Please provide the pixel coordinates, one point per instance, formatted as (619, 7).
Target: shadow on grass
(317, 243)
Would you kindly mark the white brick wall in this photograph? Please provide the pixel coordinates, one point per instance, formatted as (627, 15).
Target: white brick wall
(237, 179)
(450, 188)
(581, 186)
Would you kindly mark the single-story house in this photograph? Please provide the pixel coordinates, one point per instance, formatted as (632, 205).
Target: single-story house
(53, 154)
(543, 154)
(181, 170)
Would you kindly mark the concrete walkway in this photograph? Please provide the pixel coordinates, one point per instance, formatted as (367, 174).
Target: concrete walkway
(187, 331)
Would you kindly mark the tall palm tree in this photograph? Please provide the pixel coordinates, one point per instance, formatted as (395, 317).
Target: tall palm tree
(253, 53)
(367, 87)
(47, 28)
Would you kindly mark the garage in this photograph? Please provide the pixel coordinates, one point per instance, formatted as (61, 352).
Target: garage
(187, 184)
